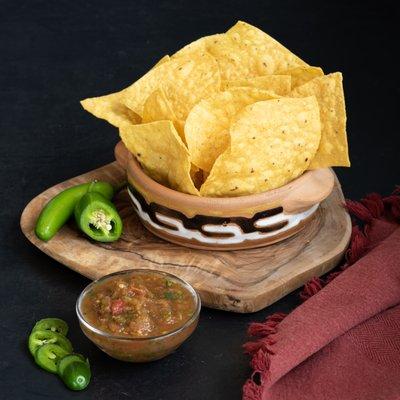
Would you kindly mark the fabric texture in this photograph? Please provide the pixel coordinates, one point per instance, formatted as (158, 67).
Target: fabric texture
(343, 342)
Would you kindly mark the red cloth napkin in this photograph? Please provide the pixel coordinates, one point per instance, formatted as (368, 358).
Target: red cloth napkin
(343, 342)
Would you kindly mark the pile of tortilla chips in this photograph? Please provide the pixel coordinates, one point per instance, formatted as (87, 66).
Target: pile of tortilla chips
(230, 114)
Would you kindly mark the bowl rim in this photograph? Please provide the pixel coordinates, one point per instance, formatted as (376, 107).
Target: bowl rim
(134, 169)
(108, 335)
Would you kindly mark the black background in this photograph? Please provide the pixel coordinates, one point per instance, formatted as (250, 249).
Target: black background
(54, 53)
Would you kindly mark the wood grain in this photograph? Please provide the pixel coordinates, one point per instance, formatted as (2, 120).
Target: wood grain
(240, 281)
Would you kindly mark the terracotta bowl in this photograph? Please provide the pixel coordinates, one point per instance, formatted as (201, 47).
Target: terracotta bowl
(229, 223)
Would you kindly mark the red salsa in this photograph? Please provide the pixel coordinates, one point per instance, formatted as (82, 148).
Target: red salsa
(138, 305)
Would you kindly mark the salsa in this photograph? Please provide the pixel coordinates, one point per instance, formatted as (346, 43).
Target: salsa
(138, 305)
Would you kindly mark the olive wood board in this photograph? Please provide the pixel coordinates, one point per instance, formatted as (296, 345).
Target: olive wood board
(241, 281)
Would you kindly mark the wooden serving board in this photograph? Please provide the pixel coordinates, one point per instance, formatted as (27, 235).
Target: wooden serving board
(240, 281)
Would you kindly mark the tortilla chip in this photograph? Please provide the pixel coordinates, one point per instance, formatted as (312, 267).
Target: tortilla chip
(162, 60)
(158, 108)
(272, 143)
(221, 96)
(161, 152)
(302, 75)
(333, 149)
(207, 126)
(246, 51)
(185, 80)
(197, 47)
(111, 108)
(279, 84)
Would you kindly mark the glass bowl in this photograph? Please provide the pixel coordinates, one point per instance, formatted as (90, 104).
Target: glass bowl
(139, 349)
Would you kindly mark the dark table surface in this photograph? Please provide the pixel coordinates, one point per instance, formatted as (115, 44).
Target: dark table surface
(52, 54)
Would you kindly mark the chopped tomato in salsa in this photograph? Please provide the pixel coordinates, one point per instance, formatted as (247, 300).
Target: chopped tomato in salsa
(139, 305)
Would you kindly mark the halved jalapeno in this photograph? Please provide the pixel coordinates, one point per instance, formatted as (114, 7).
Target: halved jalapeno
(98, 218)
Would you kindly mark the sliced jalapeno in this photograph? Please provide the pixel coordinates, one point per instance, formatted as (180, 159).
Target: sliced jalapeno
(65, 361)
(76, 375)
(49, 355)
(51, 324)
(38, 339)
(98, 218)
(58, 210)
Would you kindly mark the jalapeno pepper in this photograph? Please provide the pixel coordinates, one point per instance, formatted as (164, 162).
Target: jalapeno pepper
(76, 375)
(67, 360)
(38, 339)
(58, 210)
(53, 352)
(49, 355)
(52, 324)
(98, 218)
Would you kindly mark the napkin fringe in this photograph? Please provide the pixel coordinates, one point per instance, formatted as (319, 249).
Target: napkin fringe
(373, 206)
(260, 350)
(392, 204)
(252, 391)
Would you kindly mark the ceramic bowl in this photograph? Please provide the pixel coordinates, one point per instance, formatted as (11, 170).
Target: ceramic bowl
(229, 223)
